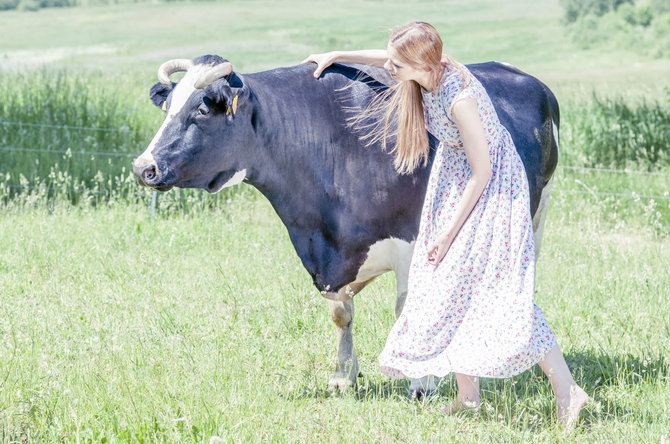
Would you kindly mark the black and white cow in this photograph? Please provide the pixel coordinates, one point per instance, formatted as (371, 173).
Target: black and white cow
(349, 215)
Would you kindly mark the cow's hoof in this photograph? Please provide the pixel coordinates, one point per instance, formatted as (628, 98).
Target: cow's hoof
(423, 395)
(340, 384)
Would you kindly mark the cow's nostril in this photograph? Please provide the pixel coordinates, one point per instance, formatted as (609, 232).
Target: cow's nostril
(149, 173)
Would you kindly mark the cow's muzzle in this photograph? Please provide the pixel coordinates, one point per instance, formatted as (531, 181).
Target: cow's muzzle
(147, 174)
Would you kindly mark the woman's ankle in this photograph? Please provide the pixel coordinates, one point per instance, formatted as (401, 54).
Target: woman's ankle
(565, 390)
(568, 407)
(460, 405)
(468, 388)
(468, 398)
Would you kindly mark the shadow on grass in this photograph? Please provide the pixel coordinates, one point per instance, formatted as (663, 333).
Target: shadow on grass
(597, 369)
(526, 402)
(602, 374)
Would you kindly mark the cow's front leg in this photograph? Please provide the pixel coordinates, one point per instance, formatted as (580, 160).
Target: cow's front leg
(422, 387)
(346, 371)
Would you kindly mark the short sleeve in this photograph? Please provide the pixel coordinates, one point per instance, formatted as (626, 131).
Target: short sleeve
(453, 91)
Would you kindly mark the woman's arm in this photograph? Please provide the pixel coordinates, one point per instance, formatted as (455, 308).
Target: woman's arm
(372, 57)
(466, 117)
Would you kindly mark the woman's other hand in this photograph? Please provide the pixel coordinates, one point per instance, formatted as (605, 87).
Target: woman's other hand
(438, 249)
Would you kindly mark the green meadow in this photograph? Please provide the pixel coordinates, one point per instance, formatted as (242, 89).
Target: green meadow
(199, 323)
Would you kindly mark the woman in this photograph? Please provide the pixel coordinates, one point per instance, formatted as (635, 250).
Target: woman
(469, 308)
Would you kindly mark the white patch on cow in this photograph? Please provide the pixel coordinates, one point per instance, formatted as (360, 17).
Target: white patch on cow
(555, 128)
(180, 95)
(235, 180)
(507, 64)
(394, 254)
(541, 216)
(385, 255)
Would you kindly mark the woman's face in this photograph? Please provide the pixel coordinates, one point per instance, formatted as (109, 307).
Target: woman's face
(401, 71)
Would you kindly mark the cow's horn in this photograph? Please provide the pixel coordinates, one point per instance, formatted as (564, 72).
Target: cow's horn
(215, 73)
(170, 67)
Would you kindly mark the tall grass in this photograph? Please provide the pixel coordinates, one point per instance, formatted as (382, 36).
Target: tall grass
(621, 201)
(69, 136)
(612, 132)
(60, 129)
(67, 121)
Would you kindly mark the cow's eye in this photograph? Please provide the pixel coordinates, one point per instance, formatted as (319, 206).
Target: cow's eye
(203, 110)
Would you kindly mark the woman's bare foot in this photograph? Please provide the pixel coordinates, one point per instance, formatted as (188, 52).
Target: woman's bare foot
(458, 405)
(467, 398)
(569, 406)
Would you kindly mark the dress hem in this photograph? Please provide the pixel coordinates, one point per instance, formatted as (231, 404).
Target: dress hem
(395, 373)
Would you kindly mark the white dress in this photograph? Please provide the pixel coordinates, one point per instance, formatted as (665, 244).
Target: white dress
(473, 313)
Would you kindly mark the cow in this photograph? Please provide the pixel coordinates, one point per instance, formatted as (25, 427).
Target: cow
(350, 216)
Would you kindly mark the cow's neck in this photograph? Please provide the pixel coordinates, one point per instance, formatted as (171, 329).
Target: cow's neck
(292, 166)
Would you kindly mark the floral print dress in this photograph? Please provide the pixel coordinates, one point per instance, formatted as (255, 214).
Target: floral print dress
(473, 313)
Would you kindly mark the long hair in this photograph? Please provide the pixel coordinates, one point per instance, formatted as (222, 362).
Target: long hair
(398, 111)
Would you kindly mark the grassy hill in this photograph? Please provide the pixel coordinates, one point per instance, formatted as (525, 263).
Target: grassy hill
(132, 40)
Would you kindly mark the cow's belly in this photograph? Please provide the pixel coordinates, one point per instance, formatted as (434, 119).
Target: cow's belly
(384, 255)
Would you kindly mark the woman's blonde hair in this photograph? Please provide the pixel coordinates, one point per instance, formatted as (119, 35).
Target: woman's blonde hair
(399, 110)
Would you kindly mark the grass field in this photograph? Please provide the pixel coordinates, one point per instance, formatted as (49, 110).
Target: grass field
(114, 326)
(202, 322)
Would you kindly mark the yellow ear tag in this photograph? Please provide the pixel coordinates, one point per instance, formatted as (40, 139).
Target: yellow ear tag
(234, 106)
(164, 105)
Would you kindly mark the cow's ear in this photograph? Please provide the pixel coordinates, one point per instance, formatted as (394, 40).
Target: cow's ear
(220, 93)
(159, 94)
(226, 98)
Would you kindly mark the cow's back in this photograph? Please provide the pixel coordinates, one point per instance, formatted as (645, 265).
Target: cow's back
(525, 106)
(529, 111)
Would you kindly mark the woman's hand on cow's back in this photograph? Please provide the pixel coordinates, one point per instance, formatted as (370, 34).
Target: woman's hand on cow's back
(371, 57)
(323, 61)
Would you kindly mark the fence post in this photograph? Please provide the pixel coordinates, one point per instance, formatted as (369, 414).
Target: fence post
(154, 194)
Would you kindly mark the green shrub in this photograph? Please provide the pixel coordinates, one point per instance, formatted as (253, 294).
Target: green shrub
(660, 6)
(8, 4)
(56, 3)
(636, 28)
(574, 9)
(641, 15)
(660, 35)
(29, 5)
(34, 5)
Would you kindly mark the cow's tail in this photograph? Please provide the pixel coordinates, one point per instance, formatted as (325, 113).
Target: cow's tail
(551, 155)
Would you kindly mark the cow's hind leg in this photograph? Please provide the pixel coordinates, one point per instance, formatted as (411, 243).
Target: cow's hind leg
(346, 371)
(422, 387)
(541, 216)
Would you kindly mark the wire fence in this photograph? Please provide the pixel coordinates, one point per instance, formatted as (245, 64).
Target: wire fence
(65, 153)
(613, 171)
(632, 194)
(73, 127)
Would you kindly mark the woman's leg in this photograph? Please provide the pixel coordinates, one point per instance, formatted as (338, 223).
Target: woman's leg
(468, 394)
(570, 398)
